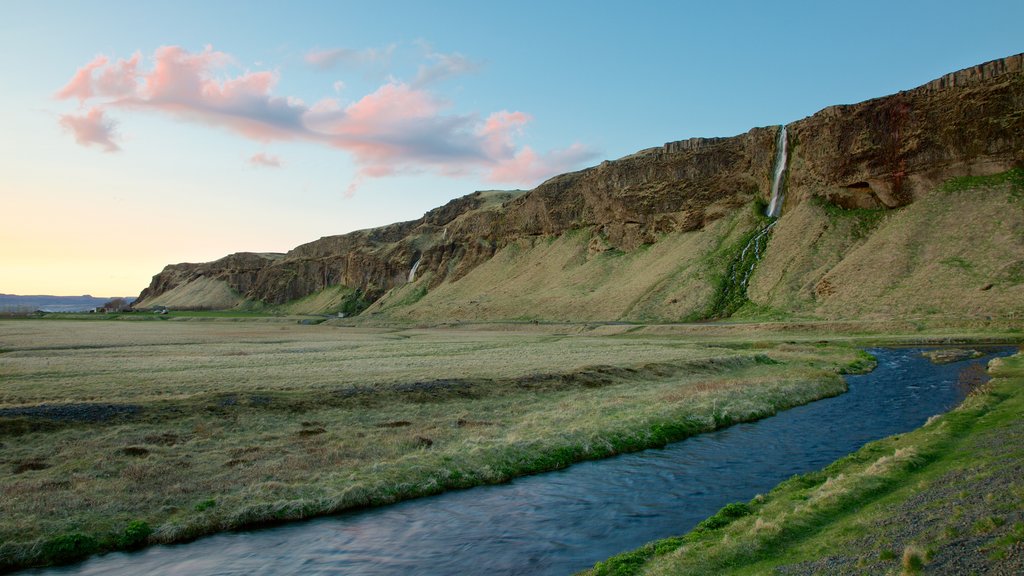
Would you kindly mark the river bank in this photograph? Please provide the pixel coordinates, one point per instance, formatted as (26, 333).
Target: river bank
(947, 498)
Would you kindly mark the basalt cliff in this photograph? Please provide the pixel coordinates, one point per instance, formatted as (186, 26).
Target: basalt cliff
(882, 200)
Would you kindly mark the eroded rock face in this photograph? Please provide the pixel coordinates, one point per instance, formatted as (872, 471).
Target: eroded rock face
(239, 270)
(882, 152)
(679, 187)
(887, 151)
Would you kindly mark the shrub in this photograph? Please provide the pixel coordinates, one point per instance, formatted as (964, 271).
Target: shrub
(724, 517)
(134, 535)
(913, 560)
(68, 547)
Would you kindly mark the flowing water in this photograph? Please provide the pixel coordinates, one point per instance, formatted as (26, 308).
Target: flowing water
(775, 204)
(757, 244)
(412, 272)
(565, 521)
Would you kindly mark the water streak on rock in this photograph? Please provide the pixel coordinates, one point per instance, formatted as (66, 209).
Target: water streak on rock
(757, 244)
(412, 273)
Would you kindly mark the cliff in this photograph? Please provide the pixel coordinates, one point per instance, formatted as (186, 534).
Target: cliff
(888, 151)
(883, 154)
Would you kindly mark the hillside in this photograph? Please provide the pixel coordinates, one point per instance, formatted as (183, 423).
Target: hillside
(908, 204)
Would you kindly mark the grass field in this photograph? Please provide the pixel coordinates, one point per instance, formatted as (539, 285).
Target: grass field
(947, 498)
(120, 434)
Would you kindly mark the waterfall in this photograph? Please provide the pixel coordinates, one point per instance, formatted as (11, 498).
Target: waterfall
(412, 273)
(775, 205)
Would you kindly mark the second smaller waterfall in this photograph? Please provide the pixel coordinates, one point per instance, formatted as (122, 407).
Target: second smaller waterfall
(412, 273)
(775, 204)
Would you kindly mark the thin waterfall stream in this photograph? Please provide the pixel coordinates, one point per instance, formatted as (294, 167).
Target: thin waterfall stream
(757, 244)
(781, 159)
(412, 272)
(565, 521)
(733, 293)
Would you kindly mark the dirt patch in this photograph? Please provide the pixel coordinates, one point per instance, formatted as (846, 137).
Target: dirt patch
(464, 423)
(165, 439)
(27, 465)
(395, 424)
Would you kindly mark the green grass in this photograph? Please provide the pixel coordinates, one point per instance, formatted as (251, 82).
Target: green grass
(1014, 177)
(330, 300)
(243, 423)
(833, 512)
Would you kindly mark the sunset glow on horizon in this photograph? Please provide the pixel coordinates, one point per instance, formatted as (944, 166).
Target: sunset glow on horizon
(146, 135)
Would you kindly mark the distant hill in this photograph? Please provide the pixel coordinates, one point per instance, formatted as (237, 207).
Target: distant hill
(15, 303)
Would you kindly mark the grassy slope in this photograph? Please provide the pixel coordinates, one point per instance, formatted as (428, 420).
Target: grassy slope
(956, 252)
(950, 494)
(330, 300)
(241, 423)
(563, 279)
(200, 293)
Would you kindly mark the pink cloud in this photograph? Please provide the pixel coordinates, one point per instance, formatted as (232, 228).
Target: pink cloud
(500, 130)
(80, 85)
(119, 79)
(91, 128)
(265, 160)
(398, 128)
(528, 166)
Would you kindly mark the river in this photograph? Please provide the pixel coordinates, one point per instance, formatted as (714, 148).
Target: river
(564, 521)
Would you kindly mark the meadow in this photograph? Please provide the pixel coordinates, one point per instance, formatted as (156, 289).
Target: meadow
(119, 434)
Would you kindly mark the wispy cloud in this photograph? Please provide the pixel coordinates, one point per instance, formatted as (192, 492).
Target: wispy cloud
(443, 66)
(398, 128)
(334, 57)
(265, 160)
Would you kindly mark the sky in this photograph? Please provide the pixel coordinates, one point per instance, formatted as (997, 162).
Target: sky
(139, 134)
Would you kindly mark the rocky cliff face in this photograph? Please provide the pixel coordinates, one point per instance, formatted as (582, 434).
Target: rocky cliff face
(239, 270)
(888, 151)
(880, 153)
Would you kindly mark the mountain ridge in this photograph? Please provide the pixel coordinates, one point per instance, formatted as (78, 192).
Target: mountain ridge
(881, 155)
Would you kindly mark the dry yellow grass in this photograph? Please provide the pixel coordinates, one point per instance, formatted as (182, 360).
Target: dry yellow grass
(53, 361)
(202, 292)
(562, 279)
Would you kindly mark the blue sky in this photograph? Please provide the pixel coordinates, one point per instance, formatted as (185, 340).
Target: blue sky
(326, 117)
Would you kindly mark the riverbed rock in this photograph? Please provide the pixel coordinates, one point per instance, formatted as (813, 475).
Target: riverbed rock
(950, 355)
